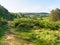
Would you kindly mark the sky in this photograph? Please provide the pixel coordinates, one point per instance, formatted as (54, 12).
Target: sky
(30, 5)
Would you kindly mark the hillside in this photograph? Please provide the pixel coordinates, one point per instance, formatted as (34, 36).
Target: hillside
(37, 14)
(18, 29)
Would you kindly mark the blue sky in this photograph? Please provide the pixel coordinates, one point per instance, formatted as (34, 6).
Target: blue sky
(30, 5)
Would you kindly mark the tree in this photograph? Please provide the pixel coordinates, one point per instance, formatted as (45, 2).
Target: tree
(55, 15)
(21, 14)
(4, 13)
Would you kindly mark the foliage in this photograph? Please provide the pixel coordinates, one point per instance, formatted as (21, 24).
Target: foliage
(27, 23)
(34, 23)
(3, 30)
(44, 37)
(55, 15)
(4, 13)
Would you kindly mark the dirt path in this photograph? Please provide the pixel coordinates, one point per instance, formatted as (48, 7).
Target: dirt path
(10, 40)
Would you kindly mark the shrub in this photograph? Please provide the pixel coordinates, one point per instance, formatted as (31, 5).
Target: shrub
(52, 25)
(27, 23)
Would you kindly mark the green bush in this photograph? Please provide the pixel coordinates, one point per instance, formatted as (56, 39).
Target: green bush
(27, 23)
(38, 37)
(30, 23)
(52, 25)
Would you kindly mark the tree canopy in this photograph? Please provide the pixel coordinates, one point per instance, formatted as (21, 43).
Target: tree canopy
(55, 15)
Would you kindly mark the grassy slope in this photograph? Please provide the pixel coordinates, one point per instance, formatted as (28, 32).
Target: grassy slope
(42, 36)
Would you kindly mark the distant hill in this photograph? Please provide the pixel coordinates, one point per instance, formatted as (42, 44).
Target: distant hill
(37, 14)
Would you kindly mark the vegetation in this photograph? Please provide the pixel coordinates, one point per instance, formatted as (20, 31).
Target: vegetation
(55, 15)
(38, 30)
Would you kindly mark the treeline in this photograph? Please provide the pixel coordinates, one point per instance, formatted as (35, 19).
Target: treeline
(4, 13)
